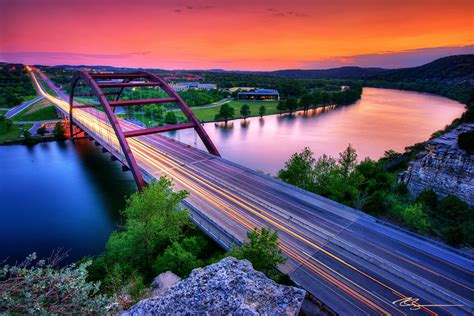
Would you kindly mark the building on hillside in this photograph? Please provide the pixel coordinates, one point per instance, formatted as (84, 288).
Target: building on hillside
(183, 86)
(259, 95)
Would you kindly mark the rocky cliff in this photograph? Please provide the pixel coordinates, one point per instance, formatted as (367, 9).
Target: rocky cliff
(230, 286)
(443, 167)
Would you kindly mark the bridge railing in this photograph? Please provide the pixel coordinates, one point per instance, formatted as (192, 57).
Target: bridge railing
(211, 228)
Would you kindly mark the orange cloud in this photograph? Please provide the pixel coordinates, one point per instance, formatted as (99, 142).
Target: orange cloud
(229, 34)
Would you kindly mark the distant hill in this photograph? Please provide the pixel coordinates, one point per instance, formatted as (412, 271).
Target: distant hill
(452, 68)
(457, 68)
(333, 73)
(451, 76)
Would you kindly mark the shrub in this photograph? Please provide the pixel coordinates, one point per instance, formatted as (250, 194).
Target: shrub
(466, 141)
(429, 199)
(262, 250)
(27, 139)
(170, 118)
(451, 211)
(454, 235)
(37, 287)
(415, 217)
(6, 125)
(59, 133)
(41, 131)
(177, 259)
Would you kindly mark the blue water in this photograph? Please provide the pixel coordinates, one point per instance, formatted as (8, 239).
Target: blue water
(58, 195)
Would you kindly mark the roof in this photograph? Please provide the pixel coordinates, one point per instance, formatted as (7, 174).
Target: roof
(261, 91)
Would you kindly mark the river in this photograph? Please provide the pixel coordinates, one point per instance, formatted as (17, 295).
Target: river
(382, 119)
(69, 195)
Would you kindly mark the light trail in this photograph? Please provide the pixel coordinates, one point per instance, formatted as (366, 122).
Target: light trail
(246, 209)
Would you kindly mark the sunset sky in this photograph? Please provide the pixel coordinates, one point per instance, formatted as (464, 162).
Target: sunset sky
(247, 35)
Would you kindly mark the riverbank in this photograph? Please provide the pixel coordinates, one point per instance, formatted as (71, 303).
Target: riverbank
(12, 135)
(208, 115)
(32, 141)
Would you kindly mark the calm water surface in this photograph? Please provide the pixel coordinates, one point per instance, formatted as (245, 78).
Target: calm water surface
(58, 195)
(383, 119)
(69, 195)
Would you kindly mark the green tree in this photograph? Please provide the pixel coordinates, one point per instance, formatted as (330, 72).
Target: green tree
(281, 107)
(41, 131)
(291, 88)
(415, 217)
(291, 104)
(159, 113)
(262, 250)
(454, 235)
(130, 112)
(6, 125)
(58, 132)
(429, 199)
(170, 118)
(326, 98)
(153, 221)
(299, 170)
(245, 111)
(27, 139)
(451, 211)
(226, 112)
(317, 98)
(178, 259)
(306, 101)
(347, 160)
(324, 170)
(262, 110)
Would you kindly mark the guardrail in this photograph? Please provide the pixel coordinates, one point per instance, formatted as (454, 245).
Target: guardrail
(211, 228)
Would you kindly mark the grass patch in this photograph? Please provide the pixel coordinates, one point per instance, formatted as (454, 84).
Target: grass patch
(36, 106)
(86, 101)
(43, 114)
(29, 97)
(14, 133)
(208, 114)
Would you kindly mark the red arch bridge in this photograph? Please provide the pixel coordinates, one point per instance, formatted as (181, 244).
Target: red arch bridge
(353, 263)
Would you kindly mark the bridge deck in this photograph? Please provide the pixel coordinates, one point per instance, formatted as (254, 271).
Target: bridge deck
(347, 259)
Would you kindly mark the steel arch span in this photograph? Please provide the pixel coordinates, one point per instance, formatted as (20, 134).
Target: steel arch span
(99, 81)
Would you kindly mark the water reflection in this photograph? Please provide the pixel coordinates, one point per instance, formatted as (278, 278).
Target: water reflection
(383, 119)
(59, 195)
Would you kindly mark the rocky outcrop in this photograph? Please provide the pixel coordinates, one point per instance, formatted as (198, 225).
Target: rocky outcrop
(443, 167)
(163, 282)
(230, 286)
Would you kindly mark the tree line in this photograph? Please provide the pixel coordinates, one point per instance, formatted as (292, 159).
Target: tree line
(369, 186)
(15, 85)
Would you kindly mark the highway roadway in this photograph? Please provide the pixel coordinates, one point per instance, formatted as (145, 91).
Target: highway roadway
(16, 110)
(352, 262)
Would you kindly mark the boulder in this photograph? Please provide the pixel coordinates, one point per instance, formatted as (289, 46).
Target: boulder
(163, 282)
(230, 286)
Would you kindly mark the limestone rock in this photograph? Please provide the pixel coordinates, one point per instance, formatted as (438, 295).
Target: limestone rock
(443, 167)
(163, 282)
(229, 287)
